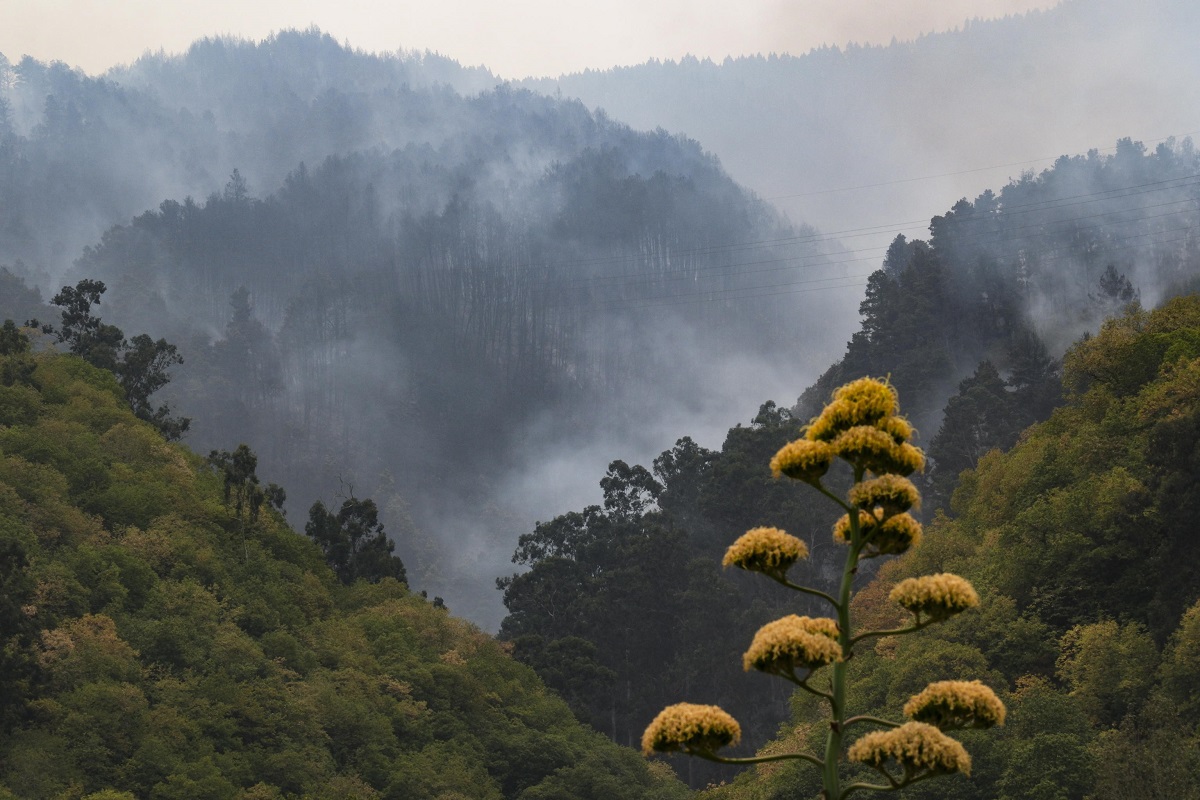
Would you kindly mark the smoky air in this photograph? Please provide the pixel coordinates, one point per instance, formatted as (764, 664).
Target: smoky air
(397, 277)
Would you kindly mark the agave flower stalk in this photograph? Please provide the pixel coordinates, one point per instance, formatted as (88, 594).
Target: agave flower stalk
(862, 427)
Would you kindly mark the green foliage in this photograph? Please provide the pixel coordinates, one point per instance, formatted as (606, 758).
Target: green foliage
(1181, 665)
(353, 541)
(1153, 754)
(1109, 668)
(149, 651)
(1081, 544)
(140, 364)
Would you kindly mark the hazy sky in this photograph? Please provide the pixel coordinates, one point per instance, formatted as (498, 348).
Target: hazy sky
(515, 38)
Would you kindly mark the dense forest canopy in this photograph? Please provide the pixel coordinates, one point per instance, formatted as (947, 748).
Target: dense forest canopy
(451, 294)
(159, 641)
(436, 309)
(967, 325)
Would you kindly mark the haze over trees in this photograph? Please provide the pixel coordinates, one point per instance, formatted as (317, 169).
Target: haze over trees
(398, 284)
(957, 322)
(969, 107)
(386, 274)
(368, 287)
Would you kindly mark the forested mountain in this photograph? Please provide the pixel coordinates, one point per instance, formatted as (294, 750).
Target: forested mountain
(392, 279)
(1081, 543)
(160, 641)
(1007, 281)
(173, 126)
(985, 305)
(433, 297)
(994, 94)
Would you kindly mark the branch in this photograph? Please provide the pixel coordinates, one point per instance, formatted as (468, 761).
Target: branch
(872, 786)
(865, 718)
(848, 509)
(803, 684)
(918, 625)
(894, 784)
(759, 759)
(808, 590)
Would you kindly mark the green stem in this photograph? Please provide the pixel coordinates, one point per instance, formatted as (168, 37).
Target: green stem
(893, 632)
(807, 590)
(873, 786)
(803, 684)
(759, 759)
(864, 718)
(837, 703)
(845, 506)
(909, 780)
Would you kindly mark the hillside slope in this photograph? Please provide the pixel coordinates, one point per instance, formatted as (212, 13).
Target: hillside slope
(1044, 259)
(159, 644)
(969, 107)
(1081, 543)
(435, 295)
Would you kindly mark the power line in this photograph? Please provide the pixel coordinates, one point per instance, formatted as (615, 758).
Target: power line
(954, 174)
(583, 283)
(715, 295)
(1014, 209)
(727, 293)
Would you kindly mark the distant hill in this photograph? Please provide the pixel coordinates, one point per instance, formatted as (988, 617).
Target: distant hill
(443, 292)
(1064, 80)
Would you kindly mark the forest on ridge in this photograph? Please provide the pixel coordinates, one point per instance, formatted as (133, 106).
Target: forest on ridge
(526, 289)
(464, 357)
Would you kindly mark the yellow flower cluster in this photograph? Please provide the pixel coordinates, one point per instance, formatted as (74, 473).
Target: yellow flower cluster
(876, 450)
(892, 536)
(867, 523)
(892, 493)
(860, 425)
(865, 401)
(785, 645)
(956, 704)
(803, 460)
(767, 550)
(919, 748)
(691, 728)
(896, 535)
(897, 427)
(938, 596)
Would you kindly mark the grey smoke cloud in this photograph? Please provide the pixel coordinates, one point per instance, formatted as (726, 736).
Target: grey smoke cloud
(515, 39)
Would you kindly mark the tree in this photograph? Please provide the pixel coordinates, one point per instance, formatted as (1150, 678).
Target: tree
(236, 190)
(241, 488)
(142, 371)
(1116, 291)
(354, 542)
(85, 335)
(247, 355)
(629, 491)
(977, 419)
(241, 485)
(17, 366)
(141, 365)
